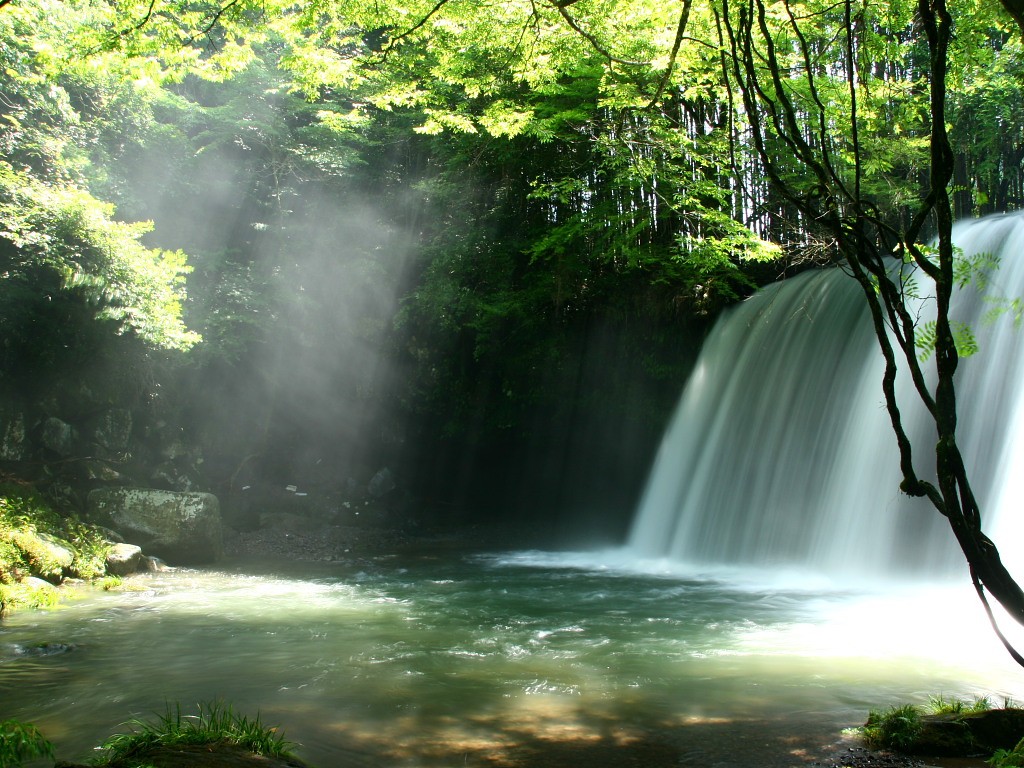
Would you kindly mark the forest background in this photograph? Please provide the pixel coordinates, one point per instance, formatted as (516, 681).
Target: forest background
(476, 244)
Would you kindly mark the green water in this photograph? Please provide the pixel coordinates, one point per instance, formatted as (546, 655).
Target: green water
(449, 659)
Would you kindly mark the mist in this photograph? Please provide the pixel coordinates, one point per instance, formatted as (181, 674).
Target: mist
(309, 379)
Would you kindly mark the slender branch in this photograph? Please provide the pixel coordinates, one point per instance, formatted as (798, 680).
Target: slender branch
(594, 41)
(912, 484)
(213, 22)
(393, 42)
(823, 134)
(851, 78)
(139, 25)
(684, 17)
(148, 17)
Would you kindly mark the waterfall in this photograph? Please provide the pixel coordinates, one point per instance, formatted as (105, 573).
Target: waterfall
(780, 453)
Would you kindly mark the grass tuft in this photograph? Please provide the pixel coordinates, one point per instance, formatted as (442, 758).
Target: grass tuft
(940, 705)
(895, 728)
(215, 723)
(110, 583)
(20, 742)
(1008, 758)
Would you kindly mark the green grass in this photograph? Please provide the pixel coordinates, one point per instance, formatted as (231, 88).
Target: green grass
(20, 742)
(940, 705)
(895, 728)
(899, 726)
(215, 723)
(1008, 758)
(110, 583)
(19, 595)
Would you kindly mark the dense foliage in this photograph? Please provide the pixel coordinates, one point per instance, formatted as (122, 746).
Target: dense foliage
(66, 259)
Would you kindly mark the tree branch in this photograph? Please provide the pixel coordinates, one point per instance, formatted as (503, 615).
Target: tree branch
(393, 42)
(684, 17)
(213, 22)
(594, 41)
(136, 27)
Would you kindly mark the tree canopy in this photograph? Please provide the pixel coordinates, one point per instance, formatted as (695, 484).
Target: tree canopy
(611, 137)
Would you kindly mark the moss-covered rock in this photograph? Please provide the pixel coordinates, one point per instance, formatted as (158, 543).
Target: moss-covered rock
(970, 733)
(950, 734)
(213, 755)
(215, 737)
(40, 548)
(30, 592)
(44, 554)
(944, 735)
(997, 728)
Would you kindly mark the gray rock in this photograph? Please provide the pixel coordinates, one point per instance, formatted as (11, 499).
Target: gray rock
(174, 448)
(95, 470)
(58, 436)
(153, 565)
(381, 483)
(181, 527)
(13, 442)
(112, 429)
(123, 559)
(44, 649)
(170, 475)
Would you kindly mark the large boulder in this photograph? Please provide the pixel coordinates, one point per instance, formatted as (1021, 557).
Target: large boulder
(178, 527)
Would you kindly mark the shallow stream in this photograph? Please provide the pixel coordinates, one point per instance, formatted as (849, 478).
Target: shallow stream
(445, 658)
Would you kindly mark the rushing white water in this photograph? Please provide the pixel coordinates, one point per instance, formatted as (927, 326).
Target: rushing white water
(781, 453)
